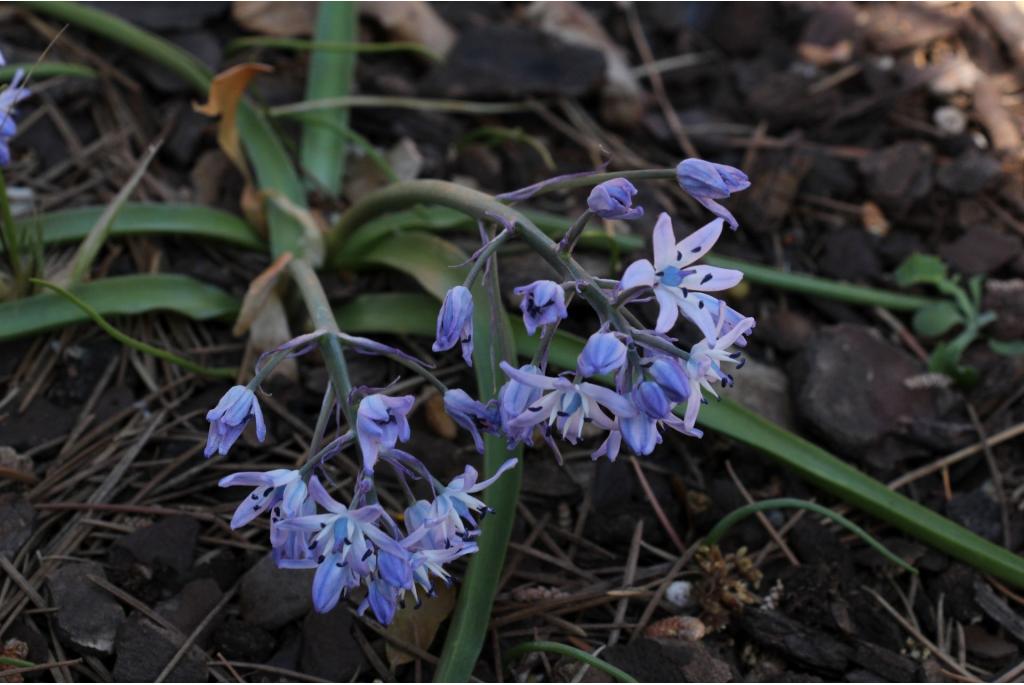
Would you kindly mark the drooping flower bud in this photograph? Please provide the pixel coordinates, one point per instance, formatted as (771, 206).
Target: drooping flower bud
(614, 200)
(707, 182)
(543, 304)
(455, 323)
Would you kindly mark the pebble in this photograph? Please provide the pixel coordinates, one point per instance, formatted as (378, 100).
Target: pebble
(17, 518)
(87, 616)
(144, 649)
(271, 597)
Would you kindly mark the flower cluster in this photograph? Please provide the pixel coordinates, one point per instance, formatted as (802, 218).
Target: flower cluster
(631, 382)
(10, 96)
(359, 544)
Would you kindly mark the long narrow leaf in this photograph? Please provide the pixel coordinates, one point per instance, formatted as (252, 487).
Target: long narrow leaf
(808, 460)
(128, 295)
(71, 225)
(323, 151)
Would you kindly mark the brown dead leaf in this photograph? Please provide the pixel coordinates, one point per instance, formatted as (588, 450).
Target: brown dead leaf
(437, 417)
(226, 92)
(419, 626)
(413, 21)
(258, 292)
(284, 19)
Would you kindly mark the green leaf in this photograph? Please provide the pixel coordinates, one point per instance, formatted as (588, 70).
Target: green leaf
(936, 319)
(1007, 348)
(323, 150)
(809, 461)
(71, 225)
(920, 268)
(41, 70)
(126, 295)
(574, 652)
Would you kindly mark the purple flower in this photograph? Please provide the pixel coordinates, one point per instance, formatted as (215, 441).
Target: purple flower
(567, 405)
(454, 505)
(640, 433)
(269, 491)
(455, 323)
(380, 423)
(9, 97)
(472, 415)
(707, 182)
(650, 399)
(671, 376)
(543, 304)
(513, 399)
(704, 366)
(614, 200)
(603, 353)
(675, 279)
(230, 417)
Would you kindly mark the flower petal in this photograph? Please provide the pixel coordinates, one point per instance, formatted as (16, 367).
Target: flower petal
(664, 242)
(697, 244)
(639, 273)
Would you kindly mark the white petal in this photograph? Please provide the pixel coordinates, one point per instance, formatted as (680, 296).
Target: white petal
(711, 278)
(664, 242)
(697, 244)
(640, 272)
(668, 312)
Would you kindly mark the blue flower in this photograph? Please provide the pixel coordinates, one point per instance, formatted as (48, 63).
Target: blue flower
(455, 323)
(650, 399)
(603, 353)
(513, 399)
(472, 415)
(614, 199)
(454, 505)
(567, 405)
(270, 487)
(230, 417)
(9, 97)
(704, 366)
(381, 421)
(671, 376)
(707, 182)
(676, 280)
(543, 304)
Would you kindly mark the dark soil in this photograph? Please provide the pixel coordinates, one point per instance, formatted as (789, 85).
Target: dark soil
(868, 131)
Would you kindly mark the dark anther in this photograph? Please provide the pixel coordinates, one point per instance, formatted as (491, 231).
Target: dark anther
(707, 277)
(367, 554)
(679, 255)
(564, 414)
(320, 559)
(700, 304)
(695, 250)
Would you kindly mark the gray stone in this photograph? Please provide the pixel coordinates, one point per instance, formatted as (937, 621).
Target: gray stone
(981, 250)
(17, 518)
(271, 597)
(849, 386)
(144, 649)
(899, 175)
(764, 390)
(87, 617)
(167, 545)
(192, 605)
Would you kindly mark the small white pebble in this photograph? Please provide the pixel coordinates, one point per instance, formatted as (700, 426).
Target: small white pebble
(679, 593)
(950, 120)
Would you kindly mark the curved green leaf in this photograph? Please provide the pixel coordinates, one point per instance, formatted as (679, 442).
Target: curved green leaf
(936, 319)
(811, 462)
(567, 650)
(126, 295)
(43, 70)
(71, 225)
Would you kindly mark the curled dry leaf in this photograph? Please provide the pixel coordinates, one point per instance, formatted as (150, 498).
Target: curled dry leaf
(226, 92)
(258, 292)
(689, 628)
(285, 19)
(437, 417)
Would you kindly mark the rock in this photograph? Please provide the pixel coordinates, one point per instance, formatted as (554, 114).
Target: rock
(243, 641)
(808, 646)
(850, 255)
(87, 617)
(42, 420)
(669, 661)
(899, 175)
(17, 517)
(166, 547)
(271, 597)
(328, 648)
(830, 35)
(190, 607)
(848, 384)
(990, 649)
(547, 480)
(978, 512)
(144, 649)
(970, 173)
(512, 63)
(981, 250)
(764, 390)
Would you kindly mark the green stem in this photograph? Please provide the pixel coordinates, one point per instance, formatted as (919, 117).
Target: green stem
(568, 242)
(737, 515)
(481, 259)
(565, 650)
(17, 663)
(319, 309)
(319, 45)
(9, 235)
(46, 70)
(128, 341)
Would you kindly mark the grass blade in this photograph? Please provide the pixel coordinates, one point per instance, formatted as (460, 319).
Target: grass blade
(72, 225)
(736, 515)
(808, 460)
(131, 342)
(43, 70)
(127, 295)
(319, 45)
(566, 650)
(323, 151)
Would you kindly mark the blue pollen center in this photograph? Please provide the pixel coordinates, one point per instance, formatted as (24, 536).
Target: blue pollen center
(672, 276)
(570, 403)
